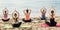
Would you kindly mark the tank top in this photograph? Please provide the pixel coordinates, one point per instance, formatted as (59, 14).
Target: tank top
(43, 14)
(52, 15)
(5, 16)
(27, 17)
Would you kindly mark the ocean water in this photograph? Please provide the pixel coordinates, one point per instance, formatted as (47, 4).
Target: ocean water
(34, 5)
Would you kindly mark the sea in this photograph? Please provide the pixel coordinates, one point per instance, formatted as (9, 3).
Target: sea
(34, 5)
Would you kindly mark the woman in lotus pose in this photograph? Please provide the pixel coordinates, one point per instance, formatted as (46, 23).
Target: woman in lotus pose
(15, 16)
(52, 19)
(43, 11)
(5, 13)
(27, 15)
(16, 19)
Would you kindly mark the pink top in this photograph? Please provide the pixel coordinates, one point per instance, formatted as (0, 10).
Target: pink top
(43, 13)
(27, 17)
(5, 16)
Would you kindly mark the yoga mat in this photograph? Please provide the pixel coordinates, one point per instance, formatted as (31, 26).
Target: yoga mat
(25, 26)
(8, 26)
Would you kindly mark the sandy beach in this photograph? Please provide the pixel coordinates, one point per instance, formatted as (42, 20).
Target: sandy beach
(30, 25)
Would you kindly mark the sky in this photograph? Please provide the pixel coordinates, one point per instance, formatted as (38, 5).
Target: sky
(34, 5)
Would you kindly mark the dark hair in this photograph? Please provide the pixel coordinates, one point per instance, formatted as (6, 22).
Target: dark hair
(15, 14)
(52, 11)
(27, 10)
(5, 11)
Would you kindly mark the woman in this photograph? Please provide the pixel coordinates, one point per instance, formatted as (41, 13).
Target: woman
(5, 13)
(52, 19)
(15, 16)
(27, 15)
(43, 11)
(16, 19)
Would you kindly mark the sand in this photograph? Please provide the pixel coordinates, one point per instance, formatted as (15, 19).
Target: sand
(29, 25)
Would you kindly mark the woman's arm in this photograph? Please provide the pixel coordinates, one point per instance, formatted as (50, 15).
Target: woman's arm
(30, 12)
(24, 12)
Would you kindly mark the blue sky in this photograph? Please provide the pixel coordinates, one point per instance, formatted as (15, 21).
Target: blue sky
(34, 5)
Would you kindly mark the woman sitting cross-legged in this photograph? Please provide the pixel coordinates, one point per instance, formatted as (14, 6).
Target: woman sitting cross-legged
(52, 19)
(16, 19)
(27, 15)
(5, 14)
(43, 12)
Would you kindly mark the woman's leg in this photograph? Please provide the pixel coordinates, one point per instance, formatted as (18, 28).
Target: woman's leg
(27, 20)
(43, 18)
(17, 24)
(53, 23)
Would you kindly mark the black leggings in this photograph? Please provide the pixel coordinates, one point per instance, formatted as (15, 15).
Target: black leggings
(52, 22)
(27, 20)
(43, 17)
(5, 20)
(17, 24)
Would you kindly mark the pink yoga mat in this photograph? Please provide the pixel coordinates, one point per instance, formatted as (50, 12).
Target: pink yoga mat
(45, 25)
(58, 24)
